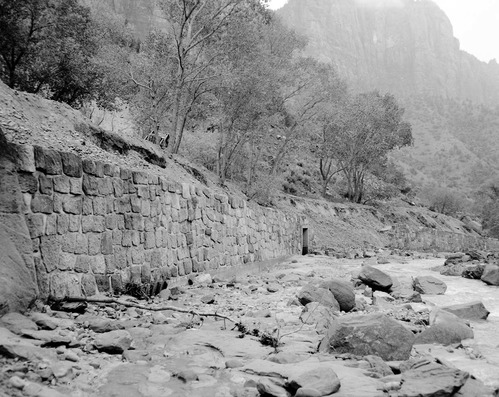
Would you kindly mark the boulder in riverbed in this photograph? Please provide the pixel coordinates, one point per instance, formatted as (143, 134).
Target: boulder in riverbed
(342, 291)
(375, 278)
(491, 275)
(372, 334)
(429, 285)
(445, 329)
(114, 342)
(469, 311)
(313, 293)
(432, 380)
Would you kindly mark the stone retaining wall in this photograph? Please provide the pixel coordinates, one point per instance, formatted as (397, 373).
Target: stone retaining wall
(429, 239)
(96, 227)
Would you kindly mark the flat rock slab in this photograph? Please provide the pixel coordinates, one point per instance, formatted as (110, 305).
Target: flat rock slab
(17, 323)
(429, 285)
(372, 334)
(432, 380)
(375, 278)
(469, 311)
(354, 382)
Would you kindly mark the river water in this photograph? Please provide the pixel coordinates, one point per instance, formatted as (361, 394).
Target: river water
(461, 290)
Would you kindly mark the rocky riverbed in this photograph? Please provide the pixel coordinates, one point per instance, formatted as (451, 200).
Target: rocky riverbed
(310, 326)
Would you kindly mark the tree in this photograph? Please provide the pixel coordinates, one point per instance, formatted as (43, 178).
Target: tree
(48, 47)
(361, 133)
(488, 206)
(194, 26)
(248, 98)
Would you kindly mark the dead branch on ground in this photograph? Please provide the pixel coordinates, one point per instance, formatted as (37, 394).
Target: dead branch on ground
(151, 308)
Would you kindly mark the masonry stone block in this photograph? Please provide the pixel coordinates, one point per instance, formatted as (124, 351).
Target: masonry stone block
(98, 264)
(66, 261)
(81, 244)
(24, 156)
(134, 222)
(50, 248)
(94, 243)
(74, 223)
(72, 205)
(149, 224)
(143, 192)
(47, 160)
(105, 186)
(127, 238)
(99, 205)
(110, 264)
(122, 205)
(76, 186)
(137, 255)
(118, 187)
(68, 242)
(180, 268)
(140, 178)
(103, 282)
(90, 185)
(135, 274)
(71, 164)
(156, 259)
(36, 224)
(61, 184)
(187, 266)
(117, 237)
(93, 223)
(145, 208)
(27, 182)
(107, 243)
(42, 203)
(88, 284)
(135, 203)
(125, 174)
(51, 225)
(82, 264)
(120, 258)
(95, 168)
(110, 169)
(58, 202)
(64, 284)
(150, 240)
(45, 184)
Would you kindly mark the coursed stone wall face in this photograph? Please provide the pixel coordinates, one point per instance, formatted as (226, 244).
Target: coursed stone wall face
(429, 239)
(96, 227)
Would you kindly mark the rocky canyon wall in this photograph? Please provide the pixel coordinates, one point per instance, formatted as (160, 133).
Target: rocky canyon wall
(406, 47)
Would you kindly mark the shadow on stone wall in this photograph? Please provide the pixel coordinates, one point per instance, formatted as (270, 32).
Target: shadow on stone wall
(18, 288)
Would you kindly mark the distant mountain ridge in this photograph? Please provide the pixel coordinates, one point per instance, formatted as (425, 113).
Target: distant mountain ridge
(403, 46)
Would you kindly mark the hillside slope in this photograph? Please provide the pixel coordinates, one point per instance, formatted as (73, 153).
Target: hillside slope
(29, 119)
(407, 47)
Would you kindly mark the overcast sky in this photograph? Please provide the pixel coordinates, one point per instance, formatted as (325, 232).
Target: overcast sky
(475, 22)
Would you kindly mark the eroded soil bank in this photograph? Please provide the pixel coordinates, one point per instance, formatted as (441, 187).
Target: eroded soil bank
(111, 350)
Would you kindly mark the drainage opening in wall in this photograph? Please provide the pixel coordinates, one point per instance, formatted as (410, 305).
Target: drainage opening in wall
(305, 241)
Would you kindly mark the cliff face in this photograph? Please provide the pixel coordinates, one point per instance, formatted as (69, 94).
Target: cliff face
(403, 46)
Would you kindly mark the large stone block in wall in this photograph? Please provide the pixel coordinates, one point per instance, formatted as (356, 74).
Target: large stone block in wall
(17, 269)
(48, 161)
